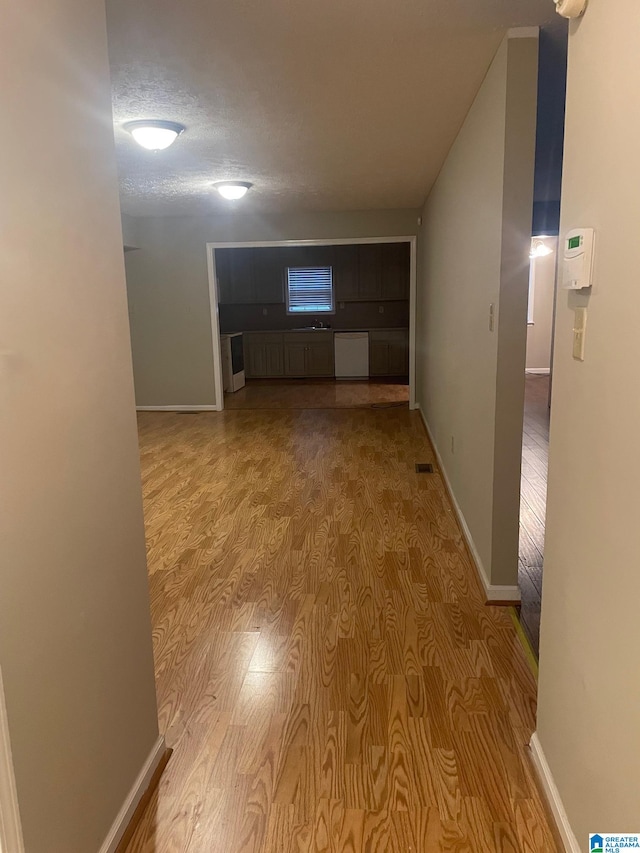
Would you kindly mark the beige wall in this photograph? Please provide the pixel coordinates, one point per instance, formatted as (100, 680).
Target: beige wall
(539, 334)
(589, 703)
(168, 289)
(75, 642)
(473, 253)
(130, 236)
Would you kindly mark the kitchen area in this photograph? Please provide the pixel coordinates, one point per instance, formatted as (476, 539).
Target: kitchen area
(305, 323)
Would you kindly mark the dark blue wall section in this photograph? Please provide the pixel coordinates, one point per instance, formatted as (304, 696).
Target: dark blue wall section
(552, 85)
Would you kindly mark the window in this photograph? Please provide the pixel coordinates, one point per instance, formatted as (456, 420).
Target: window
(309, 290)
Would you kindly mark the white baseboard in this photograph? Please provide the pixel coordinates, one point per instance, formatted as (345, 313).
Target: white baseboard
(538, 371)
(503, 594)
(553, 796)
(492, 591)
(208, 408)
(134, 796)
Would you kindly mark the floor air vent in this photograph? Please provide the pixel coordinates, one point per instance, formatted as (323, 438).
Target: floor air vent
(424, 468)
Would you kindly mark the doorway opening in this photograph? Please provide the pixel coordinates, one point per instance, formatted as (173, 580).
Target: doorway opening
(313, 324)
(552, 80)
(535, 435)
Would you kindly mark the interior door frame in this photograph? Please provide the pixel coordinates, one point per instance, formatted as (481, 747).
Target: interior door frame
(245, 244)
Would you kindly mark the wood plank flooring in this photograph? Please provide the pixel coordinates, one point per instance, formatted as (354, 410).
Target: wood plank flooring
(316, 394)
(533, 503)
(327, 672)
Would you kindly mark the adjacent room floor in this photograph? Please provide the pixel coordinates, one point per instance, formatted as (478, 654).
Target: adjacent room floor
(328, 673)
(533, 502)
(316, 394)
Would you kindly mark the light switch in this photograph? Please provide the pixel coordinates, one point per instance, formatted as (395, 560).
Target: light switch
(579, 328)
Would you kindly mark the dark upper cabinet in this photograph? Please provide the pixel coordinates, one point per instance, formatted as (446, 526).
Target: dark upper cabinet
(369, 271)
(250, 276)
(223, 276)
(394, 262)
(269, 270)
(234, 271)
(345, 273)
(242, 275)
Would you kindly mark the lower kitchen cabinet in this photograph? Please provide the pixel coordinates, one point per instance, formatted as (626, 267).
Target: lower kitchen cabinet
(308, 354)
(263, 355)
(300, 354)
(268, 354)
(389, 352)
(294, 358)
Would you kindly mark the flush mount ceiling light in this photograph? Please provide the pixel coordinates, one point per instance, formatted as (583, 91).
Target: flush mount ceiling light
(232, 190)
(539, 249)
(154, 134)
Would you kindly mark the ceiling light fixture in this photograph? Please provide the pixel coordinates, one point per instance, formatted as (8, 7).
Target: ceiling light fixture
(539, 249)
(154, 134)
(232, 190)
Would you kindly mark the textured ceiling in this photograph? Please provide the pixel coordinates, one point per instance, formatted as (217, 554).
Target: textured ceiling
(322, 104)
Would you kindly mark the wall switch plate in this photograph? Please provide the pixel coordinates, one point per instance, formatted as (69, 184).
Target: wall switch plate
(579, 329)
(342, 304)
(381, 309)
(264, 312)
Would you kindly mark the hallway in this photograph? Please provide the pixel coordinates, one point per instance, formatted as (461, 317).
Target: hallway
(328, 674)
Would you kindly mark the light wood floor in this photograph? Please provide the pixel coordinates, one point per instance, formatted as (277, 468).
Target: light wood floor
(316, 394)
(327, 672)
(533, 502)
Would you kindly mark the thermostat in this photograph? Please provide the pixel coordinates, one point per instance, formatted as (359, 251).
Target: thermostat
(577, 259)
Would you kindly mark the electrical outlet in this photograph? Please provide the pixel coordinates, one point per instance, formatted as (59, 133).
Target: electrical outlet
(342, 305)
(381, 309)
(264, 312)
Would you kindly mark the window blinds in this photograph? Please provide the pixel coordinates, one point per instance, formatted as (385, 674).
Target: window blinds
(309, 289)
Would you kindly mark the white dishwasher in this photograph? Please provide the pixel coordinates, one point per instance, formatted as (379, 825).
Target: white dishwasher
(352, 355)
